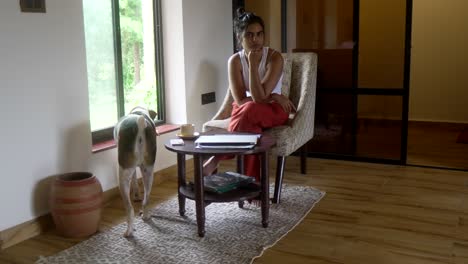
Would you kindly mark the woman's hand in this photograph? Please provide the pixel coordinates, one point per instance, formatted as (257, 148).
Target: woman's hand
(254, 57)
(285, 103)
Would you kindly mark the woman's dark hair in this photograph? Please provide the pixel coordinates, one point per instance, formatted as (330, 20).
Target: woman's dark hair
(243, 20)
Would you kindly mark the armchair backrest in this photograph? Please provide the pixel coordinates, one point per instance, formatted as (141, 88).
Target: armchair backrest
(302, 93)
(303, 83)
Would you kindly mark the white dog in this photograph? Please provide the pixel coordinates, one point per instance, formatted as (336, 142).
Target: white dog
(135, 136)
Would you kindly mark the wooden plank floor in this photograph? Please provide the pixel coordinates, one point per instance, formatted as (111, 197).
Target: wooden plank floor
(372, 213)
(435, 144)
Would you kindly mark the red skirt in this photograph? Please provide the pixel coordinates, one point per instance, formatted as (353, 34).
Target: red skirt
(254, 118)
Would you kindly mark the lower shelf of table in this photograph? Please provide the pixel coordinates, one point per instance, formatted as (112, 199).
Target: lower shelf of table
(243, 193)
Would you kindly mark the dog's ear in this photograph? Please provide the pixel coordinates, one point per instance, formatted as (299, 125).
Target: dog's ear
(152, 114)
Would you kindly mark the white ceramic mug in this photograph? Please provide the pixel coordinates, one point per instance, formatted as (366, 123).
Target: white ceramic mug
(187, 130)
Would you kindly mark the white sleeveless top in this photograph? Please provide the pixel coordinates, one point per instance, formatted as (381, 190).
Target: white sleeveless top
(261, 71)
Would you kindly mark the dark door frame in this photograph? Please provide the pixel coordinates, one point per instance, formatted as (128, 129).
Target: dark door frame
(356, 91)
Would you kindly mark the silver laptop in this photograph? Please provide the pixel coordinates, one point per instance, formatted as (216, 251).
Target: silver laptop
(227, 141)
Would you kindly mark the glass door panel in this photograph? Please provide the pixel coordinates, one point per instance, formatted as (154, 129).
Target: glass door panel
(360, 46)
(325, 27)
(328, 24)
(381, 43)
(333, 125)
(378, 132)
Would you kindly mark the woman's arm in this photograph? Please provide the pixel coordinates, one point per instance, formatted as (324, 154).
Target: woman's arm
(236, 83)
(261, 88)
(285, 103)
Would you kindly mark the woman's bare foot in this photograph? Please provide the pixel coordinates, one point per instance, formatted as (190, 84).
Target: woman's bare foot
(210, 165)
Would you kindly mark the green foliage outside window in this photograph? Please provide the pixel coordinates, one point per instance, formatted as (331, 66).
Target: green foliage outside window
(136, 24)
(138, 88)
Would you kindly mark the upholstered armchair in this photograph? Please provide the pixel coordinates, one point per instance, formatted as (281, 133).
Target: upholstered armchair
(299, 84)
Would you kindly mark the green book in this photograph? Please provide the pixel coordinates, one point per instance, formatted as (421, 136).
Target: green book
(226, 181)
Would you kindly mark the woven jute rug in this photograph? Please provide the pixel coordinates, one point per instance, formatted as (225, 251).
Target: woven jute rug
(233, 234)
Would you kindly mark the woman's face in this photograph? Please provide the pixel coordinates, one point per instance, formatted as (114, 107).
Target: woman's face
(253, 37)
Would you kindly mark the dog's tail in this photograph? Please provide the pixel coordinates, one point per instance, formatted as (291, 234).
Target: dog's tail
(141, 123)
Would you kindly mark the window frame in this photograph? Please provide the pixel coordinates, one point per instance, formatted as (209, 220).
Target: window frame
(106, 134)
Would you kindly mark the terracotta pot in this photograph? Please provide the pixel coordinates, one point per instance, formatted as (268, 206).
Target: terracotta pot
(75, 203)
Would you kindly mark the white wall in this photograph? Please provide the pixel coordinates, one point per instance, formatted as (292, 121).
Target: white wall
(439, 83)
(208, 46)
(44, 100)
(173, 37)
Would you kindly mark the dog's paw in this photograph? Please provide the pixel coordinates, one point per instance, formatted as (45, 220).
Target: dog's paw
(146, 217)
(129, 232)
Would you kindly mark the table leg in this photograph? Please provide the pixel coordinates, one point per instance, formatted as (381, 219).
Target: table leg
(181, 182)
(240, 164)
(199, 195)
(240, 169)
(265, 196)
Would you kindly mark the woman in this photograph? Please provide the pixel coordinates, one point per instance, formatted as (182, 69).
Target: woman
(255, 78)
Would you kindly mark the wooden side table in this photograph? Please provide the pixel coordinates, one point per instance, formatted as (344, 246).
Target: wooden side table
(197, 193)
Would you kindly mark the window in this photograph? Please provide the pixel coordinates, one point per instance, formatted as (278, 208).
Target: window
(124, 60)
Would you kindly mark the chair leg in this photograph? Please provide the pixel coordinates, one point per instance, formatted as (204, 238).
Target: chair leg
(281, 160)
(303, 159)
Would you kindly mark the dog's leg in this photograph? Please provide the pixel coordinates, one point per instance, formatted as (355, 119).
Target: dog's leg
(125, 178)
(135, 188)
(147, 172)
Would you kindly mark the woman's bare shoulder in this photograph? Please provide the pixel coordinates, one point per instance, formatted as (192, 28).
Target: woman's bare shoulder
(274, 56)
(234, 60)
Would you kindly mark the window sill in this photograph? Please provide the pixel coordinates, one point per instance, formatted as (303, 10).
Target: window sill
(110, 144)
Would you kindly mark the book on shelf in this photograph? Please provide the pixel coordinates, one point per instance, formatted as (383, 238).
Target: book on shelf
(225, 181)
